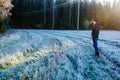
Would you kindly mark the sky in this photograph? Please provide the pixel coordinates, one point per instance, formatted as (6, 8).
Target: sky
(103, 2)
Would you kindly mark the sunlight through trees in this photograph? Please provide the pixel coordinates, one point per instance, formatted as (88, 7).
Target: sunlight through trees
(65, 14)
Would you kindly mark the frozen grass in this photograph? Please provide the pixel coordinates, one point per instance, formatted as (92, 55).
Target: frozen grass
(58, 55)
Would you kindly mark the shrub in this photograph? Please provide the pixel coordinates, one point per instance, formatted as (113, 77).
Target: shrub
(5, 7)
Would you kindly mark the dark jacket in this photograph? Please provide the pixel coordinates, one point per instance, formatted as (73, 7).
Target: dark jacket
(95, 31)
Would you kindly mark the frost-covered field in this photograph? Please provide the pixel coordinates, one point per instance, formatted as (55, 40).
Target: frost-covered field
(58, 55)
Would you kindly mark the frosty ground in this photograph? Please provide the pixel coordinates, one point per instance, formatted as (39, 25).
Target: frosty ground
(58, 55)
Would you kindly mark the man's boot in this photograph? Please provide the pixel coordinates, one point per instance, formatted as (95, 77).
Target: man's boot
(97, 54)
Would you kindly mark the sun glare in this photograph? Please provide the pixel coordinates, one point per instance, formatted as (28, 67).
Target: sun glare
(104, 2)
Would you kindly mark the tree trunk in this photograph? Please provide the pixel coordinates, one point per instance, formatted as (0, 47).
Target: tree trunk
(78, 18)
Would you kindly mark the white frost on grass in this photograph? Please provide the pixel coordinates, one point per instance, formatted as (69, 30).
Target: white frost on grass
(58, 55)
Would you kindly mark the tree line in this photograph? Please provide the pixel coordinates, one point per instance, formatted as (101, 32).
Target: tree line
(107, 15)
(63, 14)
(40, 13)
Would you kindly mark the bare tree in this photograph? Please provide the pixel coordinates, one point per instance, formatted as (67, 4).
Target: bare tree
(44, 12)
(53, 21)
(70, 11)
(78, 18)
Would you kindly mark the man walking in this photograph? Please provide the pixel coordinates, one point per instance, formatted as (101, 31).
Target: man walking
(95, 35)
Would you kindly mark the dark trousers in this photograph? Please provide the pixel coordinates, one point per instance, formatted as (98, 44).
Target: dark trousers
(95, 45)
